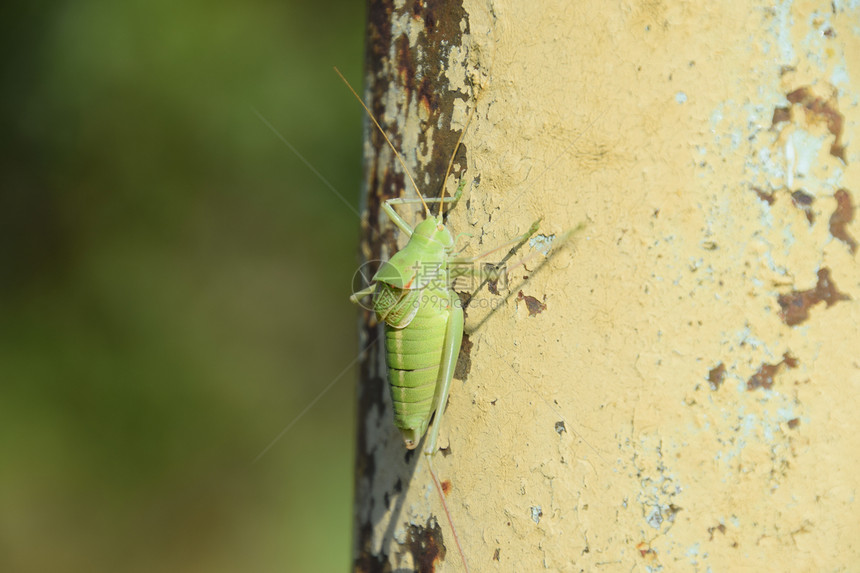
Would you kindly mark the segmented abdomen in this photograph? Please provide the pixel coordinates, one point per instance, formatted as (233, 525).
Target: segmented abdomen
(413, 354)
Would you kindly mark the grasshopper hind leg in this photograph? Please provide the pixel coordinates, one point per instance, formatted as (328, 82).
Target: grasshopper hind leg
(450, 352)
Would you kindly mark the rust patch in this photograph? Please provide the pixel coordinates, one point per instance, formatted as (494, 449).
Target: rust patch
(465, 299)
(533, 305)
(493, 273)
(405, 65)
(795, 305)
(426, 545)
(842, 216)
(646, 552)
(464, 359)
(427, 96)
(768, 198)
(803, 201)
(763, 378)
(716, 376)
(822, 110)
(446, 487)
(793, 423)
(780, 114)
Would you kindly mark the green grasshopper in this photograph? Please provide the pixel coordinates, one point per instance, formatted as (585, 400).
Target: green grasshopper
(423, 316)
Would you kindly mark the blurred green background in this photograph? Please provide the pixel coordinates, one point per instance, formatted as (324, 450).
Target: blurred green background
(173, 285)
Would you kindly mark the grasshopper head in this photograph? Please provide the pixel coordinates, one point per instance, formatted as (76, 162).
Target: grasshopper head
(433, 229)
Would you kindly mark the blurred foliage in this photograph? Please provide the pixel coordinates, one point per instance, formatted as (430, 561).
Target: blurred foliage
(173, 285)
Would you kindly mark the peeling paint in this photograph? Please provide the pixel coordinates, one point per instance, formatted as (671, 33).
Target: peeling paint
(764, 376)
(716, 376)
(533, 305)
(841, 218)
(796, 304)
(426, 546)
(542, 243)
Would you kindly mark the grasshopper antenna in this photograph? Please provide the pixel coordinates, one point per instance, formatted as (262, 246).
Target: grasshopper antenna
(447, 513)
(399, 158)
(454, 154)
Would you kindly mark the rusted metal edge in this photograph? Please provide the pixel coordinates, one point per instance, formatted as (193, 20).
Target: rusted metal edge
(406, 86)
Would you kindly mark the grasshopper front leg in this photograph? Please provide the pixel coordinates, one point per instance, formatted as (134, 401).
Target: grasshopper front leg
(388, 206)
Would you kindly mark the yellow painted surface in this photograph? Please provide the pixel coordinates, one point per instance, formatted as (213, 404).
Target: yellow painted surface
(652, 123)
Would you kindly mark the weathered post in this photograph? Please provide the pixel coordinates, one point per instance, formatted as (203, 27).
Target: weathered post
(678, 384)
